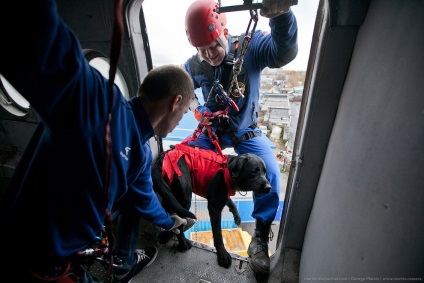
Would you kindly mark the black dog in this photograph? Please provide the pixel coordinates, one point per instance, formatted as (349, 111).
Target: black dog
(183, 170)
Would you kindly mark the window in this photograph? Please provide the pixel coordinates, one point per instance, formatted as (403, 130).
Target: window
(101, 63)
(11, 100)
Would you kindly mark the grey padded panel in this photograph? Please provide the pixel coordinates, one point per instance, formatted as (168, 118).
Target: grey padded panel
(367, 216)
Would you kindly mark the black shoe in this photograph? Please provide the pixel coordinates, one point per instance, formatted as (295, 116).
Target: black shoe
(143, 258)
(258, 248)
(258, 256)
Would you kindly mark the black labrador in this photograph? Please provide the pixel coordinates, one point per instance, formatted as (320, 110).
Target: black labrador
(183, 170)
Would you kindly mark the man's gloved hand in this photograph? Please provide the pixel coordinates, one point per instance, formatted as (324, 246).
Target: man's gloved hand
(194, 103)
(178, 222)
(274, 8)
(201, 113)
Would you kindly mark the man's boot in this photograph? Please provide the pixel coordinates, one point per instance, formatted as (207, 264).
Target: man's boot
(258, 248)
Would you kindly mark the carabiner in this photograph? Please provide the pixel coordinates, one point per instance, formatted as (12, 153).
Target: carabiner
(253, 17)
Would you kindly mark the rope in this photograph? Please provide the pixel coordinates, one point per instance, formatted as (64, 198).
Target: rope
(118, 30)
(239, 62)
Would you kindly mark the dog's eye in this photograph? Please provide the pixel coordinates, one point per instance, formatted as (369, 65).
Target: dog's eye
(255, 172)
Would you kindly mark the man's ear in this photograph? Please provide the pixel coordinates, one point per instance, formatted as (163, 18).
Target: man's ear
(226, 33)
(176, 102)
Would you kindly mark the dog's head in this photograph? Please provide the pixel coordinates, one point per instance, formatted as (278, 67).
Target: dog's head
(248, 173)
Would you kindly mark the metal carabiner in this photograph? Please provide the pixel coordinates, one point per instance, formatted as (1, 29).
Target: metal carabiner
(253, 17)
(234, 85)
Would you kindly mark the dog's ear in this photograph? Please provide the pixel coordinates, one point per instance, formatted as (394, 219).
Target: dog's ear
(235, 166)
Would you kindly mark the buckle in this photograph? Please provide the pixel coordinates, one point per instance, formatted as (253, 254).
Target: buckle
(249, 135)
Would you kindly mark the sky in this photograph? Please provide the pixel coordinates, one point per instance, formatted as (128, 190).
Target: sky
(169, 44)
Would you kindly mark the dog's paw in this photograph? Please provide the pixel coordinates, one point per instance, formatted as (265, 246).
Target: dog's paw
(237, 220)
(224, 259)
(184, 245)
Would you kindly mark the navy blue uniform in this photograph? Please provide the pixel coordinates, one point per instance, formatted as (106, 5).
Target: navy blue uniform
(61, 204)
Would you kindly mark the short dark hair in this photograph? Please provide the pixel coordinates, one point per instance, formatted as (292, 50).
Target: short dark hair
(166, 81)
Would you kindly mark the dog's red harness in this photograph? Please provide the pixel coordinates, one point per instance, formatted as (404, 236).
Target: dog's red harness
(203, 164)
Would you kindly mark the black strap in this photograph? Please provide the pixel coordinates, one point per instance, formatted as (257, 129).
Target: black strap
(249, 135)
(233, 50)
(236, 42)
(224, 127)
(226, 74)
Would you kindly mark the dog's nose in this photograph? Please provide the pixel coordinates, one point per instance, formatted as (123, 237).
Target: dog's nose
(266, 188)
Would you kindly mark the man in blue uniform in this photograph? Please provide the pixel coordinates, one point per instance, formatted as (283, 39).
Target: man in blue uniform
(61, 203)
(216, 48)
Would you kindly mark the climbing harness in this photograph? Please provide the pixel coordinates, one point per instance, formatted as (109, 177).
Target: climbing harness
(203, 165)
(204, 127)
(69, 273)
(98, 251)
(221, 95)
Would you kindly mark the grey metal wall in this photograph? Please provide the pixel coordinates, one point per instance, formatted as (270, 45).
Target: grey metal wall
(366, 220)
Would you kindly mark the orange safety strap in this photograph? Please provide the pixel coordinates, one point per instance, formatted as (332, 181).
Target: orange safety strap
(205, 124)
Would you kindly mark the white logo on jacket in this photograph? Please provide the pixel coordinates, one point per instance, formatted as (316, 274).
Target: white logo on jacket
(125, 156)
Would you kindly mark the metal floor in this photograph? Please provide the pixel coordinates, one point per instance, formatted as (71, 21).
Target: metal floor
(197, 265)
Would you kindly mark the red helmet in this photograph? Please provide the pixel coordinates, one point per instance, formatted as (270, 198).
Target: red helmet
(203, 23)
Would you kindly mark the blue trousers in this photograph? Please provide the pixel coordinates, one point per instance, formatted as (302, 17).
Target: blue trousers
(265, 206)
(126, 222)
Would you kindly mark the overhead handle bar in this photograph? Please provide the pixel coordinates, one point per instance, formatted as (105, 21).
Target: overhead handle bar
(247, 5)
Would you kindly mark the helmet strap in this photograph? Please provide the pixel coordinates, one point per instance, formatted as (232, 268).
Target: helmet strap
(223, 41)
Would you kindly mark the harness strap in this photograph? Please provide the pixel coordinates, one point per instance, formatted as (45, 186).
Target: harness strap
(195, 158)
(202, 163)
(224, 128)
(115, 50)
(233, 50)
(205, 128)
(248, 136)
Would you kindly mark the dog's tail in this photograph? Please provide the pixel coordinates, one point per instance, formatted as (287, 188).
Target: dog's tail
(167, 195)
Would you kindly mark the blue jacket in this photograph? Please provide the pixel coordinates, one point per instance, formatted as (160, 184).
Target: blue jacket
(61, 204)
(272, 50)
